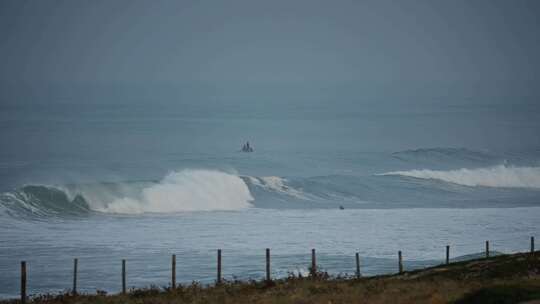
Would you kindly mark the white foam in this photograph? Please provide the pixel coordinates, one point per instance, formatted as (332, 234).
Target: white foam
(498, 176)
(187, 190)
(22, 199)
(276, 184)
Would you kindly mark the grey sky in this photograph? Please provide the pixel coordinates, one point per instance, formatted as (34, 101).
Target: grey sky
(485, 47)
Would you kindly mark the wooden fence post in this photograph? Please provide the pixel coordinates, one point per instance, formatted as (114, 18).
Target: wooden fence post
(487, 249)
(400, 264)
(358, 275)
(23, 282)
(313, 263)
(219, 266)
(123, 276)
(268, 277)
(447, 254)
(75, 262)
(532, 244)
(173, 272)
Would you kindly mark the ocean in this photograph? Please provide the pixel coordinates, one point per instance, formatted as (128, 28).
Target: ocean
(108, 181)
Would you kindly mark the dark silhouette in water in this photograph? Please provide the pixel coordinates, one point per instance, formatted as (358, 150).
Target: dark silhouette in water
(341, 208)
(247, 148)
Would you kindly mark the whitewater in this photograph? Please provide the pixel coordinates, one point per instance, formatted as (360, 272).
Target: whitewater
(214, 190)
(498, 176)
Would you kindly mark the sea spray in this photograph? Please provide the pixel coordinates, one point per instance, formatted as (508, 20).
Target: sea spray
(188, 190)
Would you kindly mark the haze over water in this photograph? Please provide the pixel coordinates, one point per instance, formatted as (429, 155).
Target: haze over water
(130, 148)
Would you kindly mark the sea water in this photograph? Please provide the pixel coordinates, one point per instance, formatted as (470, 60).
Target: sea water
(112, 181)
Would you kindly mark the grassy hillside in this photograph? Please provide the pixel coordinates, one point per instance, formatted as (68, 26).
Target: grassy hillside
(502, 279)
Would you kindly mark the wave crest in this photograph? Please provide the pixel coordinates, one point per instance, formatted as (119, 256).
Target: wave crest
(276, 184)
(187, 190)
(497, 176)
(40, 200)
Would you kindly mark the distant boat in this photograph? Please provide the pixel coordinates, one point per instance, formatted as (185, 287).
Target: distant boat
(247, 148)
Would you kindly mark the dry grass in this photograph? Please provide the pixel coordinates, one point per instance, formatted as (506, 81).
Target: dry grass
(502, 279)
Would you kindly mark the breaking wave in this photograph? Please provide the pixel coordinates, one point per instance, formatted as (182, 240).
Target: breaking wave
(181, 191)
(211, 190)
(497, 176)
(276, 184)
(37, 200)
(187, 190)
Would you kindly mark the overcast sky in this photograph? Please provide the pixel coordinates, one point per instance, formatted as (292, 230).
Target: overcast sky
(485, 47)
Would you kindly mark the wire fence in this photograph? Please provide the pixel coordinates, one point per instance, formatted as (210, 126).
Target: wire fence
(266, 266)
